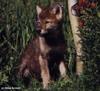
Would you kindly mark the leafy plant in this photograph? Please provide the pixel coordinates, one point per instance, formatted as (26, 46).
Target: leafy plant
(17, 28)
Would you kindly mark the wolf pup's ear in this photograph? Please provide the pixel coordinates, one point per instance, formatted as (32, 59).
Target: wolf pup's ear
(38, 9)
(58, 11)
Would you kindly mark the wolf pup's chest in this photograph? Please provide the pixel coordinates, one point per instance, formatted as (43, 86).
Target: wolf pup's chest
(52, 43)
(44, 47)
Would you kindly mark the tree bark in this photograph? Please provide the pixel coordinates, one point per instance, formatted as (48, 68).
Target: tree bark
(77, 39)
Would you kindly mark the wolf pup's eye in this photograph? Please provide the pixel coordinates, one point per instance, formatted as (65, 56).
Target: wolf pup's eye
(47, 22)
(37, 26)
(37, 23)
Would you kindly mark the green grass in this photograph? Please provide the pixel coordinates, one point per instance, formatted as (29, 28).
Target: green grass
(17, 27)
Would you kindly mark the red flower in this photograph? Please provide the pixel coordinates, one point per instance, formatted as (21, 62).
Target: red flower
(81, 23)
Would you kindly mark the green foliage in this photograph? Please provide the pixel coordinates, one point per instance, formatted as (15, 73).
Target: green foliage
(17, 27)
(91, 47)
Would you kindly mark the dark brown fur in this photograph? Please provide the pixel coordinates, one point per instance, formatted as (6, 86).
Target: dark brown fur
(29, 59)
(55, 41)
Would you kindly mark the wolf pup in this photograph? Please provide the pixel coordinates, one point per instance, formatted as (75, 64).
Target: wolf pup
(47, 48)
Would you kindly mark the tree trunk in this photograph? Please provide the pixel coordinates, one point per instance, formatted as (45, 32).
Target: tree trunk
(77, 39)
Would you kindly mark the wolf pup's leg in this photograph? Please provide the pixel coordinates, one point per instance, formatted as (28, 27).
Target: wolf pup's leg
(62, 69)
(44, 72)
